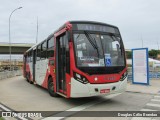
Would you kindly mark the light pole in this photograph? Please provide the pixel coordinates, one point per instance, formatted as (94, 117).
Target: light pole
(37, 32)
(10, 35)
(142, 40)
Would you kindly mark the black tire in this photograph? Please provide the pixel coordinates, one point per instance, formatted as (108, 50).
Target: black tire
(51, 87)
(27, 77)
(31, 82)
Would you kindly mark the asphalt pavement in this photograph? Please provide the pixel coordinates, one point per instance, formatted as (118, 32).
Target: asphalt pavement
(152, 88)
(17, 94)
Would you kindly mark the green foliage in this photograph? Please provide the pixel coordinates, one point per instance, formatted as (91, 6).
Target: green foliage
(153, 53)
(2, 118)
(129, 54)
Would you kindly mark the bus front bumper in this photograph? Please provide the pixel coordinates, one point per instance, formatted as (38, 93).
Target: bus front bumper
(79, 89)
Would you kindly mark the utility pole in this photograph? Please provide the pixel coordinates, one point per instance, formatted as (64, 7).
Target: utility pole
(142, 40)
(37, 31)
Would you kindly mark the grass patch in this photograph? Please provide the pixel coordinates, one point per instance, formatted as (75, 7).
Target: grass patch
(2, 118)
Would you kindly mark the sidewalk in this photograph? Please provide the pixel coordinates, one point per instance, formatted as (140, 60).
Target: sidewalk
(153, 88)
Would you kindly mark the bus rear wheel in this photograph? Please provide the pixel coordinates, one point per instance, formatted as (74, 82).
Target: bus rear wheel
(51, 87)
(31, 82)
(27, 77)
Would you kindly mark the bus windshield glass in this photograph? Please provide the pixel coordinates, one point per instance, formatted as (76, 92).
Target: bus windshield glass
(98, 50)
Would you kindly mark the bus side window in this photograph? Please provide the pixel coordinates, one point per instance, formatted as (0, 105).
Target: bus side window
(43, 50)
(50, 48)
(31, 56)
(28, 57)
(38, 53)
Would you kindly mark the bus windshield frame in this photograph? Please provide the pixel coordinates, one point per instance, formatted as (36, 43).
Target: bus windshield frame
(100, 67)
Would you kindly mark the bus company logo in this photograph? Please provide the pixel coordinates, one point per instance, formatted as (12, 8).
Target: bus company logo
(109, 78)
(6, 114)
(21, 114)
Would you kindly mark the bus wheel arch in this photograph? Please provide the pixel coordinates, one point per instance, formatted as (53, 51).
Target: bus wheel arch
(51, 87)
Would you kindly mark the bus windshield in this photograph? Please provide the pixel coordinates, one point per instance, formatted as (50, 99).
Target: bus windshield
(98, 50)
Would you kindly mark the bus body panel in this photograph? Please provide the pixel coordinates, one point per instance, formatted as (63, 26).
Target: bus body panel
(101, 79)
(68, 85)
(87, 90)
(41, 70)
(50, 72)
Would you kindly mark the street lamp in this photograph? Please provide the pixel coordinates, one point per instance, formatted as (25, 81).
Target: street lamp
(37, 32)
(10, 35)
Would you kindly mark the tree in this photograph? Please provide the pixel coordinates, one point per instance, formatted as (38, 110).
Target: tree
(129, 54)
(153, 53)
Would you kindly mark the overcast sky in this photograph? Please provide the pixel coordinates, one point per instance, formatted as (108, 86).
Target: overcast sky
(137, 19)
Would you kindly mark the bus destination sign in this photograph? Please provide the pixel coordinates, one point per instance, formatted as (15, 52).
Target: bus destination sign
(98, 28)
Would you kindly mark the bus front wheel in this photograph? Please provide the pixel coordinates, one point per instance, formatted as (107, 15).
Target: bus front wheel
(51, 87)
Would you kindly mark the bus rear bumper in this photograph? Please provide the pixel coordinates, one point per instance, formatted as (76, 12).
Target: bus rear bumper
(79, 89)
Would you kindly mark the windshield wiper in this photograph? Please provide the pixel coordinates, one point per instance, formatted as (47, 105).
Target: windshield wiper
(90, 39)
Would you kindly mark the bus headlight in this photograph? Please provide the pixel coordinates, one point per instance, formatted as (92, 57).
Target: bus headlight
(124, 75)
(80, 78)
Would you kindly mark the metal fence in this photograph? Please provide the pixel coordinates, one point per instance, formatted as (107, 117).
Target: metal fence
(154, 73)
(9, 74)
(15, 64)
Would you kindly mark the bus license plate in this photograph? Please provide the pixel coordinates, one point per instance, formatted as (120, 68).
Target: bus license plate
(105, 91)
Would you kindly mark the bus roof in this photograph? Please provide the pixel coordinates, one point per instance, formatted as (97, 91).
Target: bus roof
(71, 22)
(91, 22)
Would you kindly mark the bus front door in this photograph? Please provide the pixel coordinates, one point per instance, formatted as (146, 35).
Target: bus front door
(61, 47)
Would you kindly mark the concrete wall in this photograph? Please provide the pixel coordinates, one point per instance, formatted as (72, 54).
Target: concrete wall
(9, 74)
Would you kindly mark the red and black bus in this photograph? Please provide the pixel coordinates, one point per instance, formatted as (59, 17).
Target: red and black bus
(80, 59)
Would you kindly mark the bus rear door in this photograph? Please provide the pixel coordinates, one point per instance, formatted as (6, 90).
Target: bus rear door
(34, 62)
(24, 65)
